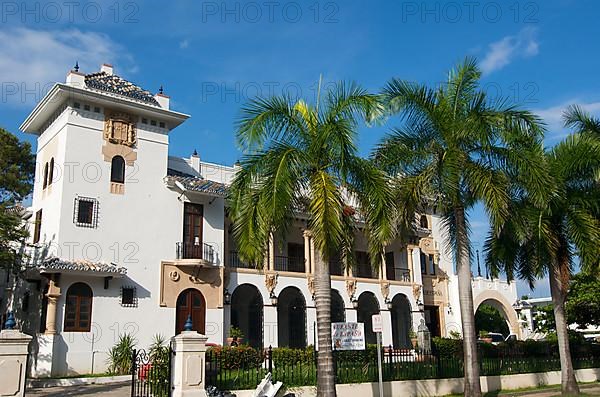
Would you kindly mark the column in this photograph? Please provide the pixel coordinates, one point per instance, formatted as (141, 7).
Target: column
(271, 252)
(270, 336)
(307, 259)
(409, 262)
(188, 365)
(382, 267)
(45, 366)
(52, 295)
(13, 358)
(386, 335)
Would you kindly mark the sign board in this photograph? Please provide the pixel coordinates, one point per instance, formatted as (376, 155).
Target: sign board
(377, 323)
(348, 336)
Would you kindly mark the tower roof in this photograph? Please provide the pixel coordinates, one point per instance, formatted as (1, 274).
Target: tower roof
(117, 85)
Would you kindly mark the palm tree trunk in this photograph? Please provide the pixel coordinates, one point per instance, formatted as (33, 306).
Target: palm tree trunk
(467, 312)
(558, 290)
(325, 367)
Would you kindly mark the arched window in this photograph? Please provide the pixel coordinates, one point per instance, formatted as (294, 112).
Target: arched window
(423, 222)
(45, 176)
(117, 170)
(51, 172)
(78, 308)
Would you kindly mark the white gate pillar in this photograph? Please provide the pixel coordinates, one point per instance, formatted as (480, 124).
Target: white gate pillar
(13, 360)
(189, 365)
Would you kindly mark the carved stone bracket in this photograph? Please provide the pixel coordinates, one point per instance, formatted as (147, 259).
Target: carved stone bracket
(311, 284)
(417, 291)
(271, 282)
(351, 288)
(385, 290)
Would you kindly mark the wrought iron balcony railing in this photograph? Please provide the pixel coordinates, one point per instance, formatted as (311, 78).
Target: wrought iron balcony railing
(289, 264)
(190, 250)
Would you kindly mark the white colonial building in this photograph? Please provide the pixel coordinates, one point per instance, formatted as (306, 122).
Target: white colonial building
(127, 239)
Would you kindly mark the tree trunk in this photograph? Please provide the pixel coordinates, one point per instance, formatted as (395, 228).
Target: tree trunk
(467, 312)
(558, 290)
(325, 367)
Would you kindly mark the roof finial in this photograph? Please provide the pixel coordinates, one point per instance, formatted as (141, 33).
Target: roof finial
(160, 90)
(76, 68)
(195, 153)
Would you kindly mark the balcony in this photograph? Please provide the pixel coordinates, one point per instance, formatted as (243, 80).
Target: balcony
(236, 262)
(399, 275)
(289, 264)
(190, 250)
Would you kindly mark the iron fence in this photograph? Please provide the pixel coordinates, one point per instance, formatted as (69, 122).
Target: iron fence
(244, 371)
(150, 375)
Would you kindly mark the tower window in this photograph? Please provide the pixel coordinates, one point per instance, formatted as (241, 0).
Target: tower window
(37, 227)
(45, 183)
(117, 170)
(51, 171)
(86, 212)
(424, 223)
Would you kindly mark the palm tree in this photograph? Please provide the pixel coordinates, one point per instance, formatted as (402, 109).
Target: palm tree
(542, 238)
(303, 158)
(455, 148)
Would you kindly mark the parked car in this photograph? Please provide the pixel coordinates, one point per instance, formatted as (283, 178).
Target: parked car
(497, 338)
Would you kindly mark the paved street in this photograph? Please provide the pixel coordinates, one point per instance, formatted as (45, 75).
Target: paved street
(114, 390)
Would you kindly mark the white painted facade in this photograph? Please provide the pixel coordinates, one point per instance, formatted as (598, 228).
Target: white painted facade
(139, 228)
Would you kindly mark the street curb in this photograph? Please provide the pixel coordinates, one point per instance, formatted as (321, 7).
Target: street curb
(101, 380)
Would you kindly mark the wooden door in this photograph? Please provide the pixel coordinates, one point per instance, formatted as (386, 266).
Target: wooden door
(190, 303)
(192, 231)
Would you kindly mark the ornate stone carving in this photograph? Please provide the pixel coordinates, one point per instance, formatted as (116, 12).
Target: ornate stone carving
(119, 128)
(174, 276)
(351, 288)
(311, 285)
(271, 282)
(426, 245)
(417, 291)
(385, 290)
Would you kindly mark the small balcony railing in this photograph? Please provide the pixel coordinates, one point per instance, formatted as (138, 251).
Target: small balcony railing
(289, 264)
(400, 275)
(190, 250)
(236, 262)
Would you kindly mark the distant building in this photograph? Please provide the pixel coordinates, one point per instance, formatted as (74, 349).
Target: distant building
(529, 312)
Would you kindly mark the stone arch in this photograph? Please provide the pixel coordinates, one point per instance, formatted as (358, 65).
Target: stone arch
(291, 318)
(367, 306)
(498, 301)
(247, 313)
(338, 312)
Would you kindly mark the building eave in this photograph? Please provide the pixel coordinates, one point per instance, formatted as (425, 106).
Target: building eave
(60, 92)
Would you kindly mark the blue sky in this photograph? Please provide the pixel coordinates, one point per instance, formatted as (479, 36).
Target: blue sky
(210, 56)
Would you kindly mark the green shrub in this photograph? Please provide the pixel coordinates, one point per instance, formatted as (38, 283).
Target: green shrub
(238, 357)
(447, 347)
(289, 356)
(119, 356)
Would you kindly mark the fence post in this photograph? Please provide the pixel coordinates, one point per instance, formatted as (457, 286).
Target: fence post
(13, 356)
(270, 355)
(133, 370)
(188, 372)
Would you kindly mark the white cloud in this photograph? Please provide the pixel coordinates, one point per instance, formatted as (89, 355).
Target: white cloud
(502, 52)
(552, 116)
(34, 59)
